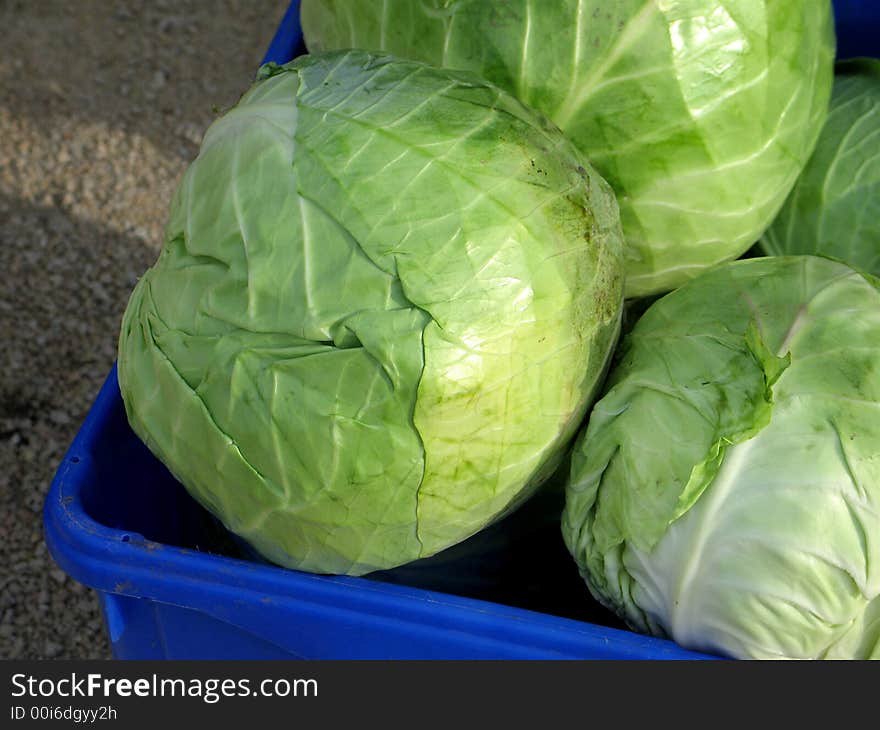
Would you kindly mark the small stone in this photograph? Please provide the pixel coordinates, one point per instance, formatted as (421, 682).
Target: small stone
(58, 416)
(59, 576)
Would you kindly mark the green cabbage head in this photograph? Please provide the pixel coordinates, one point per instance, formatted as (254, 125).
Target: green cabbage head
(726, 491)
(700, 113)
(834, 208)
(386, 295)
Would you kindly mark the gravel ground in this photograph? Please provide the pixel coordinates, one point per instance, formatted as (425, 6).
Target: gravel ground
(102, 105)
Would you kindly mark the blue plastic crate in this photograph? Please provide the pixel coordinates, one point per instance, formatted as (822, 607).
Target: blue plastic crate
(172, 584)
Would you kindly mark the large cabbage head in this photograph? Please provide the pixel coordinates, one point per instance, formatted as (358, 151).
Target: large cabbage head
(386, 295)
(834, 208)
(700, 113)
(726, 492)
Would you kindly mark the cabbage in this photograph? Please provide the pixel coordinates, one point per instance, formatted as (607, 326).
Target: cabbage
(700, 113)
(386, 296)
(726, 491)
(834, 208)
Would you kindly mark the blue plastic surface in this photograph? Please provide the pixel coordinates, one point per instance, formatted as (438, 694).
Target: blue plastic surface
(287, 43)
(858, 27)
(173, 585)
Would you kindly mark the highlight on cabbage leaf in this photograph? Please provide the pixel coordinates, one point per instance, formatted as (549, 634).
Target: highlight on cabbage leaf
(700, 113)
(385, 299)
(726, 490)
(834, 208)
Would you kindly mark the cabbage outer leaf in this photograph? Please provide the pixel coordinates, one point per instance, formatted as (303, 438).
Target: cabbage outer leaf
(726, 492)
(834, 208)
(386, 298)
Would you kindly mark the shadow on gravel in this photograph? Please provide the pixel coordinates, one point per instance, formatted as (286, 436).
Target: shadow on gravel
(64, 286)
